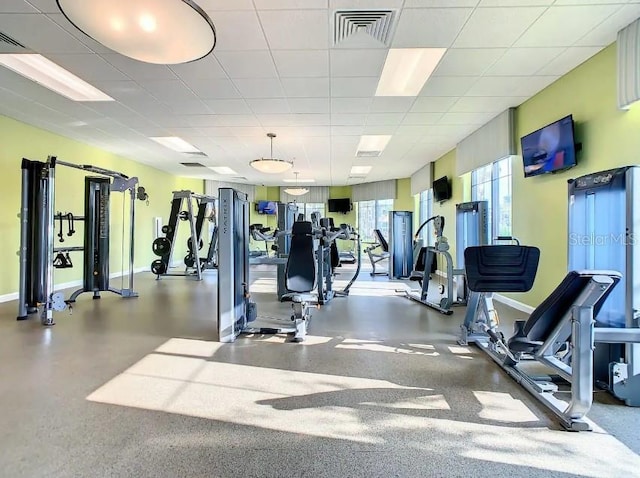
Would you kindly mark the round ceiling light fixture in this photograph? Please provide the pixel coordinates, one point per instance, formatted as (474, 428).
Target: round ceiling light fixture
(271, 165)
(297, 190)
(166, 32)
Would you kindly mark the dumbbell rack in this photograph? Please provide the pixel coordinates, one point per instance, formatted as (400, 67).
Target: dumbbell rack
(164, 246)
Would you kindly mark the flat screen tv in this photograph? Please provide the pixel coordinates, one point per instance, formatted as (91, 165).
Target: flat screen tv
(267, 207)
(550, 149)
(342, 205)
(441, 189)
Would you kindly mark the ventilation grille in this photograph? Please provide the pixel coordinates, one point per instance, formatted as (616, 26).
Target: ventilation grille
(368, 154)
(193, 165)
(9, 45)
(4, 38)
(375, 23)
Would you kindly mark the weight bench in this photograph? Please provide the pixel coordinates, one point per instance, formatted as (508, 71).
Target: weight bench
(559, 333)
(374, 257)
(300, 275)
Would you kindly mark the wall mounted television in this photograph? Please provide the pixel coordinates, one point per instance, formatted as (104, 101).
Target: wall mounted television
(342, 205)
(441, 189)
(267, 207)
(549, 149)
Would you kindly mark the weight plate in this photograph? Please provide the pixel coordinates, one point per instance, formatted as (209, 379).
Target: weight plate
(183, 215)
(166, 229)
(200, 244)
(189, 260)
(161, 246)
(158, 267)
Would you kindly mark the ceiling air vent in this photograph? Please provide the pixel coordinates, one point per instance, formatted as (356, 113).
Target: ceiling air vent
(9, 45)
(374, 23)
(193, 165)
(368, 154)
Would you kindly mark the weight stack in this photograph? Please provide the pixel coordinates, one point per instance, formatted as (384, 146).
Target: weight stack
(96, 233)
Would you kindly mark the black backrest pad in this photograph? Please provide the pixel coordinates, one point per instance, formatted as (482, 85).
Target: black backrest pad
(420, 265)
(300, 273)
(501, 268)
(542, 320)
(383, 242)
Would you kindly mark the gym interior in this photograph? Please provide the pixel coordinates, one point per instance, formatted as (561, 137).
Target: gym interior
(319, 238)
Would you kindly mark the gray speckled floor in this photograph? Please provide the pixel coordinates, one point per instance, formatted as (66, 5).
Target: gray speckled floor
(139, 388)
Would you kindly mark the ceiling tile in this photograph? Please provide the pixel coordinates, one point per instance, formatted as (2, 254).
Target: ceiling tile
(606, 32)
(560, 26)
(421, 118)
(509, 85)
(489, 104)
(448, 85)
(225, 107)
(302, 63)
(139, 70)
(206, 68)
(348, 119)
(433, 104)
(384, 119)
(225, 4)
(346, 130)
(411, 130)
(238, 30)
(16, 6)
(391, 104)
(568, 60)
(497, 27)
(465, 118)
(309, 105)
(515, 3)
(111, 108)
(296, 29)
(213, 89)
(353, 87)
(186, 107)
(306, 87)
(351, 105)
(88, 66)
(308, 119)
(364, 4)
(268, 105)
(45, 6)
(357, 62)
(429, 27)
(247, 64)
(468, 61)
(290, 4)
(168, 90)
(259, 88)
(440, 3)
(40, 33)
(523, 61)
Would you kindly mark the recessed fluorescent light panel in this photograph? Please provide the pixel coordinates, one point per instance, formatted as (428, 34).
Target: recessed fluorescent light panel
(175, 143)
(355, 170)
(48, 74)
(301, 180)
(406, 70)
(372, 145)
(225, 170)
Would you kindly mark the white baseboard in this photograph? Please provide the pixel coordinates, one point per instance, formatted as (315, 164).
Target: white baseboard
(514, 303)
(68, 285)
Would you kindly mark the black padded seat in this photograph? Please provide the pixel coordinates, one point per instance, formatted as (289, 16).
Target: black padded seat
(384, 245)
(501, 268)
(530, 335)
(300, 274)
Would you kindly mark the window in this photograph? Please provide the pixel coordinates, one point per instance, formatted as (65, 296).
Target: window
(374, 215)
(426, 211)
(492, 183)
(310, 207)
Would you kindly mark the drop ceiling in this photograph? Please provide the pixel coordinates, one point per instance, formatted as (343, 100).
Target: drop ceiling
(276, 69)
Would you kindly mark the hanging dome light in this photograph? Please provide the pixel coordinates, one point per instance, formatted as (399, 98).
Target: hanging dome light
(296, 191)
(271, 165)
(164, 32)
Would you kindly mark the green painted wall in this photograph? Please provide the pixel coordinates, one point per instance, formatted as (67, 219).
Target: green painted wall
(446, 166)
(404, 201)
(610, 138)
(19, 140)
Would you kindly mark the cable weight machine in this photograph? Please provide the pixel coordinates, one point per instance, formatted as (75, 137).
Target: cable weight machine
(37, 236)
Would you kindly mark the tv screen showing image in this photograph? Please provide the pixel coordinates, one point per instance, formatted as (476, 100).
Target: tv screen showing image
(549, 149)
(342, 205)
(267, 207)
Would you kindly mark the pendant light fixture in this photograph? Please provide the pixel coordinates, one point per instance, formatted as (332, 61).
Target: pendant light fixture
(166, 32)
(271, 165)
(296, 191)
